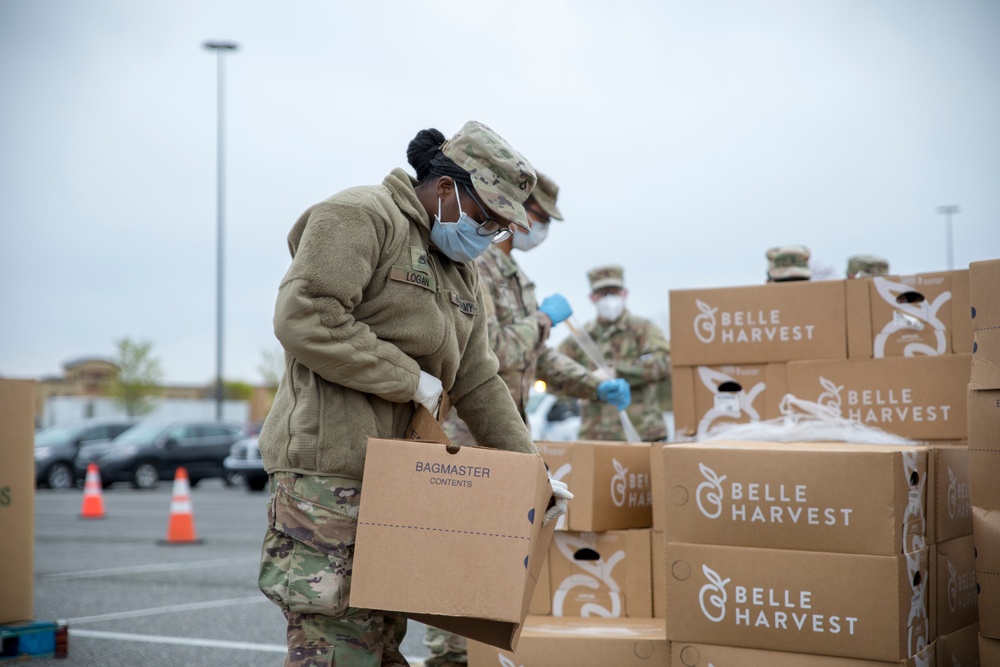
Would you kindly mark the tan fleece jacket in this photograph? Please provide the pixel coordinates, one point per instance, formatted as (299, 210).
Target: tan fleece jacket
(364, 307)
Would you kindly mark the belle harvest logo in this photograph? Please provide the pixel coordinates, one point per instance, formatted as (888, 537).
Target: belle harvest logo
(714, 593)
(710, 493)
(704, 324)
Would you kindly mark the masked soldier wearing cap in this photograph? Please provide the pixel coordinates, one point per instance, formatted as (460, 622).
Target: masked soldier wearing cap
(518, 330)
(638, 352)
(786, 263)
(862, 266)
(379, 312)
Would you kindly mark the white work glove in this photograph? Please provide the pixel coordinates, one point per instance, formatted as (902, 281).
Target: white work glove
(561, 493)
(428, 392)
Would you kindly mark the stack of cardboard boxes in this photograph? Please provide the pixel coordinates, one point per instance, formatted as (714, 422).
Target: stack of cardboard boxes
(594, 602)
(984, 451)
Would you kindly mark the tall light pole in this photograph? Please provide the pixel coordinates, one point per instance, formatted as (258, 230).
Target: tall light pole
(947, 212)
(220, 47)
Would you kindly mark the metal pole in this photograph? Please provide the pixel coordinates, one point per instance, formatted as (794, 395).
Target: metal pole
(220, 159)
(947, 211)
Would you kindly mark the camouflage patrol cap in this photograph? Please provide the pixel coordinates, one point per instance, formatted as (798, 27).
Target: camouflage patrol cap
(545, 193)
(611, 275)
(859, 266)
(500, 175)
(788, 262)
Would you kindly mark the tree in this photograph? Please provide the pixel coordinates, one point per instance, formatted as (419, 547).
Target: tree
(271, 366)
(138, 383)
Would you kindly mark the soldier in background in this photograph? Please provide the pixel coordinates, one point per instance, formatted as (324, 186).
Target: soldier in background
(788, 262)
(638, 352)
(862, 266)
(518, 330)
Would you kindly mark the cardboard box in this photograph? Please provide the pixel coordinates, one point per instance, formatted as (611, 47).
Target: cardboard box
(758, 323)
(609, 480)
(834, 497)
(953, 590)
(895, 316)
(657, 489)
(847, 605)
(658, 552)
(989, 651)
(17, 499)
(453, 539)
(601, 574)
(708, 396)
(686, 654)
(984, 278)
(949, 505)
(986, 532)
(923, 398)
(541, 599)
(573, 642)
(959, 648)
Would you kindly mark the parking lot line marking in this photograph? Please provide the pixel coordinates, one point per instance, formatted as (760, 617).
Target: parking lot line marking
(180, 641)
(153, 611)
(158, 567)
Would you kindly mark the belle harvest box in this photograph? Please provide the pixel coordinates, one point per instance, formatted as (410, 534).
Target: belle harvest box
(836, 497)
(949, 497)
(686, 654)
(984, 279)
(953, 594)
(609, 481)
(709, 396)
(453, 538)
(572, 642)
(986, 533)
(758, 323)
(848, 605)
(17, 499)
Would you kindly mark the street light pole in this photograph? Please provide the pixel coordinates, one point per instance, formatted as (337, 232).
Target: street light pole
(220, 48)
(947, 212)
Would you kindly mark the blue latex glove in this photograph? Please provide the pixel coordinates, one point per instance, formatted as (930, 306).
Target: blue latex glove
(616, 392)
(556, 307)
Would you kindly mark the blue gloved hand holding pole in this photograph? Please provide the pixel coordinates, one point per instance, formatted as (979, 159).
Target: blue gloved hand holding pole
(616, 392)
(556, 307)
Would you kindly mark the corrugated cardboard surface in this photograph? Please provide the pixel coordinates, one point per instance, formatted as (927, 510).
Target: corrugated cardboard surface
(847, 605)
(658, 553)
(574, 642)
(984, 278)
(916, 397)
(953, 593)
(710, 396)
(936, 324)
(17, 499)
(610, 482)
(949, 505)
(659, 491)
(686, 654)
(989, 651)
(959, 648)
(834, 497)
(605, 574)
(453, 539)
(758, 323)
(986, 532)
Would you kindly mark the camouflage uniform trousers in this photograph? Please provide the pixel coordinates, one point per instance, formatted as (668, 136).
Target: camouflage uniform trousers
(305, 569)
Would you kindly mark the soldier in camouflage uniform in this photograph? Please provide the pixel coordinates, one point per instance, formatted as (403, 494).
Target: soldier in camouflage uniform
(379, 311)
(518, 328)
(862, 266)
(637, 351)
(787, 263)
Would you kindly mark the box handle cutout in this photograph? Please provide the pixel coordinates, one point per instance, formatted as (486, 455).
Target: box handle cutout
(586, 554)
(914, 478)
(910, 297)
(730, 386)
(917, 579)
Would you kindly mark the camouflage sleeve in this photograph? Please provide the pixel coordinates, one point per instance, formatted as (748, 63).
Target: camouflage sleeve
(648, 361)
(571, 349)
(518, 341)
(565, 376)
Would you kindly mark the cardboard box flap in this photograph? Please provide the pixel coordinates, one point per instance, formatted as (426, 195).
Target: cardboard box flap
(454, 534)
(984, 278)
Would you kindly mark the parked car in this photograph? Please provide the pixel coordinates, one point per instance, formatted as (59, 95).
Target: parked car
(552, 418)
(244, 465)
(57, 446)
(153, 449)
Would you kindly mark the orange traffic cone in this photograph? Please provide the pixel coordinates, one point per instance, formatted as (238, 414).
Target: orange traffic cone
(93, 499)
(180, 530)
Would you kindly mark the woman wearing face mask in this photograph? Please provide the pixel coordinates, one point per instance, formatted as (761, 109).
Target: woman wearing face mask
(518, 330)
(379, 311)
(639, 353)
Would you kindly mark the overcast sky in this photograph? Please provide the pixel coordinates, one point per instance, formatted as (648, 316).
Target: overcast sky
(686, 138)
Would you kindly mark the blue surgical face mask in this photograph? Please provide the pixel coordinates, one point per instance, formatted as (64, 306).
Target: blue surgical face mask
(537, 234)
(460, 241)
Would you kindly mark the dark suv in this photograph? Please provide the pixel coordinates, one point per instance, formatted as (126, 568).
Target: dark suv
(153, 449)
(56, 447)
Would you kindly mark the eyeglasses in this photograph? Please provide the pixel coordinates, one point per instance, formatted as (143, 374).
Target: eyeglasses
(489, 227)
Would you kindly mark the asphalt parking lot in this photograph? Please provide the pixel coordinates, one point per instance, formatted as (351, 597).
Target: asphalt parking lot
(130, 601)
